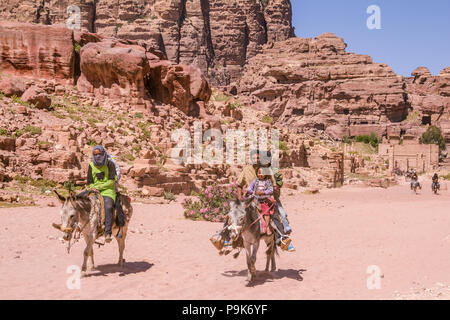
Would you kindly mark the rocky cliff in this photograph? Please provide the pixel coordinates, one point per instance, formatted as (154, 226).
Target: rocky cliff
(219, 36)
(315, 85)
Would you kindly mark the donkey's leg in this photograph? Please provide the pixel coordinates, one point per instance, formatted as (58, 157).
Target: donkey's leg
(274, 250)
(248, 253)
(268, 254)
(253, 259)
(89, 244)
(91, 253)
(121, 244)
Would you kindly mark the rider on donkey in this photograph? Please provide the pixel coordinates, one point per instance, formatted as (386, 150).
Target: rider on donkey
(244, 180)
(102, 177)
(284, 229)
(261, 188)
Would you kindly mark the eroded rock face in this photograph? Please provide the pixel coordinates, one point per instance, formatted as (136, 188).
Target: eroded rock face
(180, 85)
(37, 51)
(429, 97)
(124, 70)
(315, 84)
(218, 36)
(114, 69)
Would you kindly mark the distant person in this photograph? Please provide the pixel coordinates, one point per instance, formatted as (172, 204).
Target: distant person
(435, 182)
(415, 180)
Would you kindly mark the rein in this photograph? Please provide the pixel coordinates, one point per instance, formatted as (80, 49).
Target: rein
(76, 226)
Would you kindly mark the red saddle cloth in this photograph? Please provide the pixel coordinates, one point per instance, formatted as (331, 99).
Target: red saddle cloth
(267, 209)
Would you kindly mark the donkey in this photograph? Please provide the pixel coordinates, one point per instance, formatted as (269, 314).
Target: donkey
(244, 220)
(83, 214)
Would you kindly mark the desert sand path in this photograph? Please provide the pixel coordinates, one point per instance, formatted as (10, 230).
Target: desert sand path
(337, 233)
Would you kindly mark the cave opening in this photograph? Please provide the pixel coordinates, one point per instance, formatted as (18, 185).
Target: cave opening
(426, 120)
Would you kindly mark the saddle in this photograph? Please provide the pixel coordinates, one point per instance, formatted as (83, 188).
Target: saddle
(262, 223)
(99, 208)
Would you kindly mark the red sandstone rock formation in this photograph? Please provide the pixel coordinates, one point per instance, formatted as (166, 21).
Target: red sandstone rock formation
(315, 84)
(37, 51)
(219, 36)
(114, 69)
(119, 69)
(429, 97)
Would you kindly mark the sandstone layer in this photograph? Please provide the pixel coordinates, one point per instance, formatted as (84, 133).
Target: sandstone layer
(218, 36)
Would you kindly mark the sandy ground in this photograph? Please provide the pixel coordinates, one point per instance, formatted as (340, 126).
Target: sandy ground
(338, 234)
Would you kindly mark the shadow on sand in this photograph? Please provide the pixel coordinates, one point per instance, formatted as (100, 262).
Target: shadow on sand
(129, 268)
(263, 276)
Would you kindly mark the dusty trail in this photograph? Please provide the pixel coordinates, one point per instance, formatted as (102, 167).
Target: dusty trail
(337, 233)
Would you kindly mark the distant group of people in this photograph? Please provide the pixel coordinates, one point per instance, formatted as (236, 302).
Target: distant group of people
(435, 185)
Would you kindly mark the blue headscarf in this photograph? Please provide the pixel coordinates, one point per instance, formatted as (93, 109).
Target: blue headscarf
(99, 160)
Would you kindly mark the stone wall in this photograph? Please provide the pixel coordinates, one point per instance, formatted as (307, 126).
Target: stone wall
(420, 157)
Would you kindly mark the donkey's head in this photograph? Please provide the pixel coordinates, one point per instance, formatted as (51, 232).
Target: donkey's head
(237, 214)
(69, 215)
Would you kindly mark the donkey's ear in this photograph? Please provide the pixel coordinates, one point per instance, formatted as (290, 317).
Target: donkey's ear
(60, 197)
(72, 194)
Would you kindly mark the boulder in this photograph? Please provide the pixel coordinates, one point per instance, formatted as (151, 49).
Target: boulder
(179, 85)
(115, 69)
(37, 97)
(12, 86)
(7, 144)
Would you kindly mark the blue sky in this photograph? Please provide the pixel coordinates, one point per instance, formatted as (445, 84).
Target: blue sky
(413, 33)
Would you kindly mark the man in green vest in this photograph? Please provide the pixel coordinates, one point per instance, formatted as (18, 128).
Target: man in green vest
(102, 177)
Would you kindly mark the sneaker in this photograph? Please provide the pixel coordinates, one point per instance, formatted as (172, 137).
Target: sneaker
(108, 238)
(291, 248)
(227, 245)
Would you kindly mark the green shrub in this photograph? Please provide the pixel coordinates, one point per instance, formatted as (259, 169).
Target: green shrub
(267, 119)
(18, 133)
(22, 179)
(3, 132)
(44, 143)
(92, 142)
(144, 129)
(92, 121)
(235, 105)
(33, 130)
(371, 139)
(129, 157)
(433, 135)
(169, 196)
(43, 183)
(221, 97)
(284, 147)
(446, 177)
(347, 140)
(77, 48)
(18, 100)
(138, 115)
